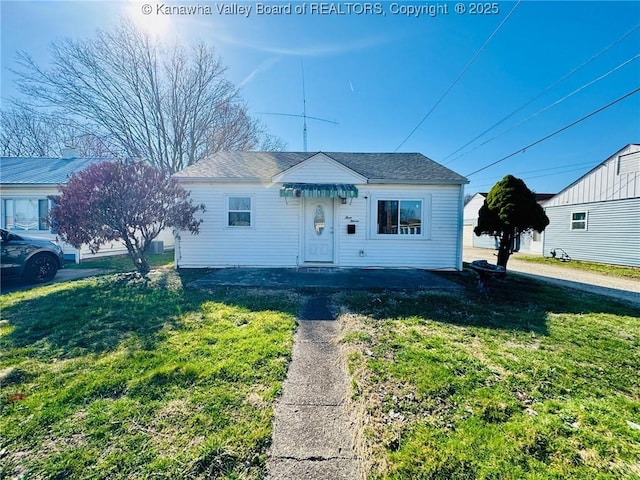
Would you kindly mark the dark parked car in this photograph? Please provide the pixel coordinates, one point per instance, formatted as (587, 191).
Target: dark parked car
(33, 259)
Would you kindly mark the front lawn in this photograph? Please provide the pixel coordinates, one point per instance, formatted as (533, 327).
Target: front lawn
(529, 382)
(118, 377)
(113, 377)
(122, 263)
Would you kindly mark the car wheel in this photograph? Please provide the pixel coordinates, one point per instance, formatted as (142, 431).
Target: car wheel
(41, 268)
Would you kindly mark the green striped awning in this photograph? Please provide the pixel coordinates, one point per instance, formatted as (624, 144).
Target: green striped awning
(318, 190)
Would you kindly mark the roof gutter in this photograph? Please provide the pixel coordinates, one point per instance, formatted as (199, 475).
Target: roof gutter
(222, 180)
(378, 181)
(417, 182)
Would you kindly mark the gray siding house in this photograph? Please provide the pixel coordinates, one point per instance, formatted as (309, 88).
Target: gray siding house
(527, 242)
(25, 186)
(597, 217)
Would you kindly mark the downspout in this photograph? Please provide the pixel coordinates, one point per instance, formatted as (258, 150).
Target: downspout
(176, 248)
(544, 235)
(460, 228)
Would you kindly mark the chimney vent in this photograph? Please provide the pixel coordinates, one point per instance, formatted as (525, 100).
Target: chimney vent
(69, 153)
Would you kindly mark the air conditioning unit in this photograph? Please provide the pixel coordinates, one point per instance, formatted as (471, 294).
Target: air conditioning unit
(156, 247)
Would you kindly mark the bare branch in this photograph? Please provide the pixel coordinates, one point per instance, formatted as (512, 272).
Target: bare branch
(170, 105)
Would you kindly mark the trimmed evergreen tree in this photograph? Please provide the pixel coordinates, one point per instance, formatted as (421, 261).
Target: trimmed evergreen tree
(509, 210)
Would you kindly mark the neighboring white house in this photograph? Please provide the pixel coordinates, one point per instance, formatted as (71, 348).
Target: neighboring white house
(25, 184)
(287, 209)
(597, 217)
(527, 242)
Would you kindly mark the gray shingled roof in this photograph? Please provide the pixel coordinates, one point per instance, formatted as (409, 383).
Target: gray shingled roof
(376, 167)
(41, 171)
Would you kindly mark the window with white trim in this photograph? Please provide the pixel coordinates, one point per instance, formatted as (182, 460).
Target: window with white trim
(239, 211)
(25, 214)
(399, 217)
(579, 221)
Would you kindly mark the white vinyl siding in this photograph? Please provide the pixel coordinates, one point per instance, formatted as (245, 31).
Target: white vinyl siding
(275, 239)
(319, 167)
(629, 163)
(272, 239)
(40, 193)
(608, 181)
(436, 249)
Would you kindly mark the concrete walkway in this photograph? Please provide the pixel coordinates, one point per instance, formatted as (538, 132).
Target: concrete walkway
(312, 434)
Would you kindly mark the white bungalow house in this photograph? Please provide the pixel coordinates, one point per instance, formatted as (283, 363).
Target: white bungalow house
(597, 217)
(26, 183)
(287, 209)
(527, 242)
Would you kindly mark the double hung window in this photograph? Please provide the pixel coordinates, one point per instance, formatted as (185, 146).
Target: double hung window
(579, 221)
(239, 211)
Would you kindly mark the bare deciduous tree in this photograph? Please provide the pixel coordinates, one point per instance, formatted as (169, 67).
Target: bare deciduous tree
(25, 132)
(22, 134)
(169, 105)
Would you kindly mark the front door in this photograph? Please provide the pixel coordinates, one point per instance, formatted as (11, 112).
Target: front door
(318, 230)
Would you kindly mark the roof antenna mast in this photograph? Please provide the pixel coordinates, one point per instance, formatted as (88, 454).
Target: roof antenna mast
(304, 115)
(304, 111)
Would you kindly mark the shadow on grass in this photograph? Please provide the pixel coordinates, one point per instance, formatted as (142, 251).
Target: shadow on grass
(513, 303)
(95, 315)
(153, 378)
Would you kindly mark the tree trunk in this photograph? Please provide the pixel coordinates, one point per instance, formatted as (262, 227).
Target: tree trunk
(504, 250)
(143, 265)
(137, 256)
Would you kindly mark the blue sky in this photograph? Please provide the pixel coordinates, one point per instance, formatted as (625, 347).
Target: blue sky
(378, 75)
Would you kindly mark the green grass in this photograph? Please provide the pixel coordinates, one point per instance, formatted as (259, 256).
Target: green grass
(528, 382)
(110, 377)
(122, 263)
(611, 270)
(115, 377)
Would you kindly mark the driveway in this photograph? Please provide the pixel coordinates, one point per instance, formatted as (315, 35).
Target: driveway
(625, 289)
(64, 275)
(321, 278)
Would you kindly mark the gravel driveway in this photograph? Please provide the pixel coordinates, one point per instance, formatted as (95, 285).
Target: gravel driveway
(625, 289)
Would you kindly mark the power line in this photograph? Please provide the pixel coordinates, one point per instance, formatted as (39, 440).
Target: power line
(557, 102)
(581, 164)
(549, 169)
(460, 75)
(550, 87)
(529, 177)
(522, 150)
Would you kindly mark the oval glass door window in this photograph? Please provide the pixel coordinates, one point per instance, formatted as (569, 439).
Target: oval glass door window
(318, 220)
